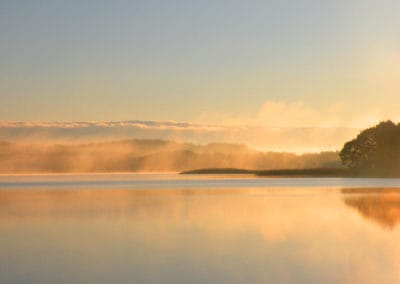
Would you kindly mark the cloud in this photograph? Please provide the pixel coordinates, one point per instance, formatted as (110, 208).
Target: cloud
(298, 114)
(277, 126)
(294, 139)
(282, 114)
(109, 124)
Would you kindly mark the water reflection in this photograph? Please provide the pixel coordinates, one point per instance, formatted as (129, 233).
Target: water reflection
(380, 205)
(297, 235)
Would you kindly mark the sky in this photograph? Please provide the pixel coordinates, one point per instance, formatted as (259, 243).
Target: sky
(270, 63)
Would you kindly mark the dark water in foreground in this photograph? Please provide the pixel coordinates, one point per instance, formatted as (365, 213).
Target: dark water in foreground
(174, 229)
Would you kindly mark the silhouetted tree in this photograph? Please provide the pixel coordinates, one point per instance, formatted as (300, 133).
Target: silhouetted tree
(375, 150)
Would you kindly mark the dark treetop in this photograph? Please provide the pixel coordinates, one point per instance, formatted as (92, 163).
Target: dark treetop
(375, 151)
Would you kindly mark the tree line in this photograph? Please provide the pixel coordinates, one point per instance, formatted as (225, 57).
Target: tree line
(375, 151)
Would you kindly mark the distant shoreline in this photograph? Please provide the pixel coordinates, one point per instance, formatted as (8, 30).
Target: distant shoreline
(310, 172)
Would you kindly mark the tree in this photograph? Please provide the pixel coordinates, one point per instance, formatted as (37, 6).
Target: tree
(375, 150)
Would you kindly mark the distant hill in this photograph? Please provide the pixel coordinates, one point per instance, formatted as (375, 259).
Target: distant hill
(150, 156)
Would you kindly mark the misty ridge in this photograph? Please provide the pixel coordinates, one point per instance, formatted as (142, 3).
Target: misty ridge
(148, 155)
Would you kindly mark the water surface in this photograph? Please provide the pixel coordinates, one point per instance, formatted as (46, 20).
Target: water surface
(198, 229)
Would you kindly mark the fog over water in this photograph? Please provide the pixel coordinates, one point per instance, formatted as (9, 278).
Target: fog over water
(147, 155)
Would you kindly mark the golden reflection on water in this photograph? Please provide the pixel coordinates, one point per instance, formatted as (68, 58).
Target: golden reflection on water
(379, 205)
(199, 236)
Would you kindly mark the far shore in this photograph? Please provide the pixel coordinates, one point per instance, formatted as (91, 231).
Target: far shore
(310, 172)
(315, 172)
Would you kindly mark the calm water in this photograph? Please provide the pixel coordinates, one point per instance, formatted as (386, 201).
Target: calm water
(198, 229)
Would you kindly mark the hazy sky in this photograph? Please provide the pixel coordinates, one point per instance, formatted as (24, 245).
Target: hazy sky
(274, 63)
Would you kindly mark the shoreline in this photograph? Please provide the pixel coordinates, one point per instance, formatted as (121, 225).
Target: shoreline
(312, 172)
(307, 172)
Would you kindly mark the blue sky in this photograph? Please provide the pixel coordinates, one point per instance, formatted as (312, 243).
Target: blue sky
(203, 61)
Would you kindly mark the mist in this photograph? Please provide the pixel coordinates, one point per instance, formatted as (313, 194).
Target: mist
(146, 155)
(282, 139)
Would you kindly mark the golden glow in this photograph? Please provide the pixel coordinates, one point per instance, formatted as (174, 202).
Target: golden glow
(281, 230)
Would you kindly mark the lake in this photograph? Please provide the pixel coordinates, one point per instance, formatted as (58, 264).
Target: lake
(169, 228)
